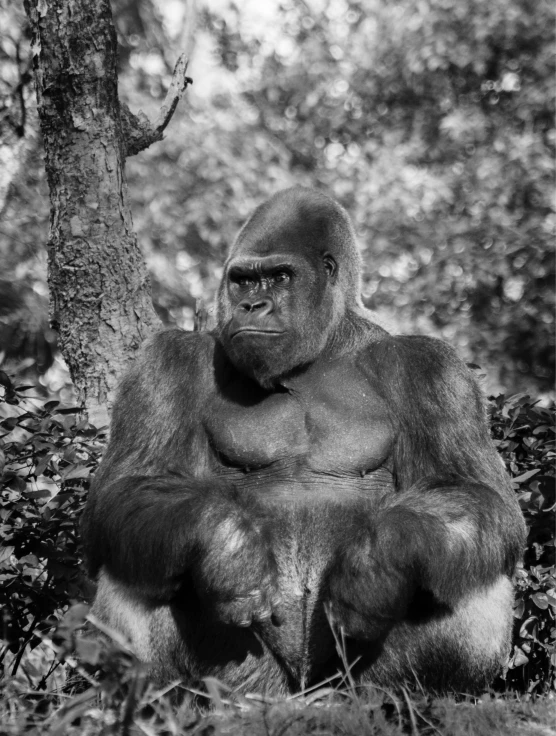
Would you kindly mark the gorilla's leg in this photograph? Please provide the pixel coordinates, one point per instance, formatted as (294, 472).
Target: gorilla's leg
(461, 649)
(179, 642)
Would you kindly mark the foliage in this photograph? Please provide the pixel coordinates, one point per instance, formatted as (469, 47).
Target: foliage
(324, 711)
(524, 435)
(46, 454)
(431, 122)
(49, 454)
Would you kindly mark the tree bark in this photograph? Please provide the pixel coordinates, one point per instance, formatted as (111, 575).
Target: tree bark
(100, 297)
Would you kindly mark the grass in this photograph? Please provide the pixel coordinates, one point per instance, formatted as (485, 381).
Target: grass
(372, 713)
(31, 704)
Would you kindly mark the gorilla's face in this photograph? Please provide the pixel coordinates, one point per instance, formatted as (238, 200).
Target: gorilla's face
(276, 312)
(291, 275)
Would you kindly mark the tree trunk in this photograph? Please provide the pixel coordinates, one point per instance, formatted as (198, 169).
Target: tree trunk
(99, 287)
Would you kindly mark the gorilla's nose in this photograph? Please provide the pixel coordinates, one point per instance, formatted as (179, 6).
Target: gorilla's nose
(261, 307)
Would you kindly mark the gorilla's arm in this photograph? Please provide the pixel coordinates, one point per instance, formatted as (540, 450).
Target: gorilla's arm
(453, 487)
(154, 514)
(454, 524)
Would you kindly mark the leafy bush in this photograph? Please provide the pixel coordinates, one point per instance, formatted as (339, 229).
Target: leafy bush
(47, 454)
(524, 435)
(50, 453)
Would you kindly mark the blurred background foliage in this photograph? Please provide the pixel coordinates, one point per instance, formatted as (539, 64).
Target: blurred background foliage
(432, 122)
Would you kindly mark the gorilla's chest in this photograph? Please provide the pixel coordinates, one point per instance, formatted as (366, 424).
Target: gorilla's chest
(329, 421)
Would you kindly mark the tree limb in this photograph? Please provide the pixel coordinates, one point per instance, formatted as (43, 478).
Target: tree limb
(138, 132)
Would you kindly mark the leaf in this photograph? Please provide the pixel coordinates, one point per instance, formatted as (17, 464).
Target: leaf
(519, 609)
(540, 600)
(5, 381)
(519, 658)
(88, 650)
(76, 615)
(5, 553)
(75, 471)
(520, 399)
(41, 465)
(61, 498)
(525, 476)
(9, 423)
(31, 560)
(17, 484)
(45, 493)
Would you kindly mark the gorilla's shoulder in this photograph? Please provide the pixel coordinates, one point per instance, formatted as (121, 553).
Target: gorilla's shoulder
(415, 359)
(424, 367)
(181, 343)
(417, 347)
(173, 353)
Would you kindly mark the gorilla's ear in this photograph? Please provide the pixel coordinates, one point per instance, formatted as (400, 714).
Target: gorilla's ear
(331, 266)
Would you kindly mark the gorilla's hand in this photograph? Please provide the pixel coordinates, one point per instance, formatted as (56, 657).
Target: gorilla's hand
(235, 573)
(370, 584)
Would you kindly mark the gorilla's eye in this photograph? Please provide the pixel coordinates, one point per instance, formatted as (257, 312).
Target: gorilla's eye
(281, 277)
(246, 282)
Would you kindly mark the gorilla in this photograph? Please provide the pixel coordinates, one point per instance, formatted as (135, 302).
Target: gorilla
(298, 472)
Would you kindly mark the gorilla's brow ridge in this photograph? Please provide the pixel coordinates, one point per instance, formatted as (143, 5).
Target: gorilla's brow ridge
(284, 261)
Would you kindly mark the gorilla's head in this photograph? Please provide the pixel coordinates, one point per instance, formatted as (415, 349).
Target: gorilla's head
(291, 276)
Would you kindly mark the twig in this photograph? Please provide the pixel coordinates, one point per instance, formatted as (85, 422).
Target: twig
(177, 87)
(138, 132)
(23, 647)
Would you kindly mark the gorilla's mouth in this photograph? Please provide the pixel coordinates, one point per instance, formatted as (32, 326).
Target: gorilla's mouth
(255, 331)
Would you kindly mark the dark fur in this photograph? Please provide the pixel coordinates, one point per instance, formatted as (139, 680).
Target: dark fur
(253, 480)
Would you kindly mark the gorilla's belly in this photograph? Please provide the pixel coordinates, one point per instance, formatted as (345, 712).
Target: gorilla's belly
(307, 516)
(292, 483)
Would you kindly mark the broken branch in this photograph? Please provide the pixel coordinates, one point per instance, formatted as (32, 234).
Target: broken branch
(139, 132)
